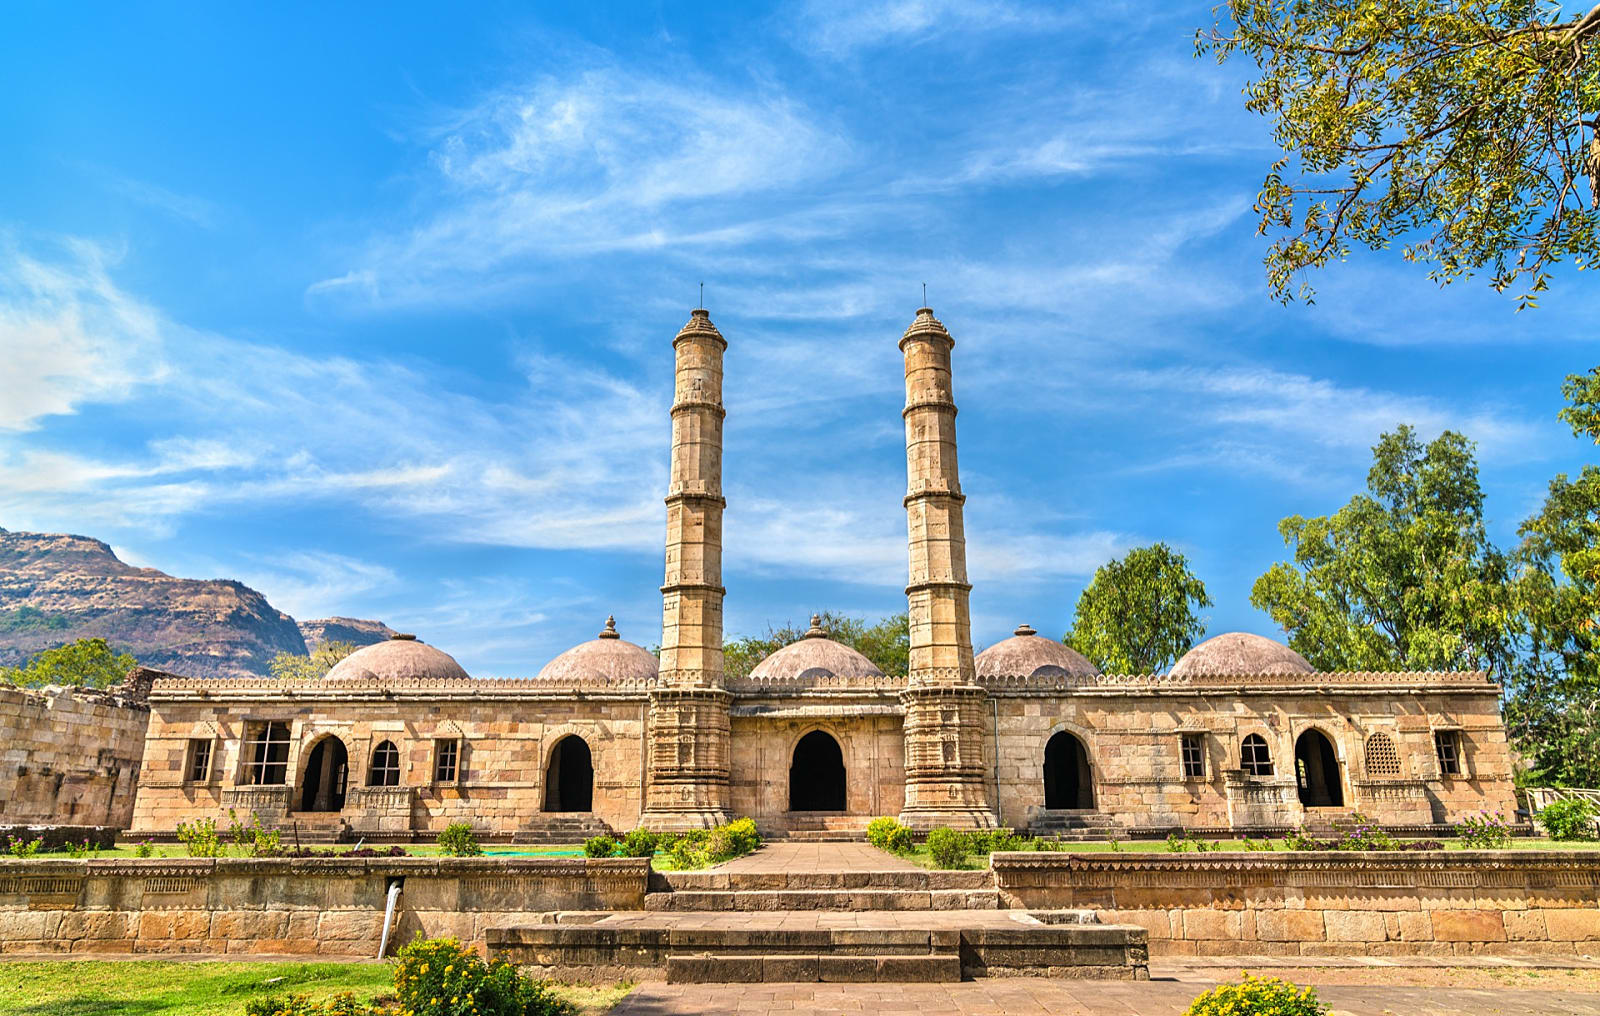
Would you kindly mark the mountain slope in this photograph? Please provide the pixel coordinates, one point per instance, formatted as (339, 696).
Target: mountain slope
(56, 588)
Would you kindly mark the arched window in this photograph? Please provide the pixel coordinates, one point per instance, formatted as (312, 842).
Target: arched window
(385, 766)
(1255, 757)
(1382, 759)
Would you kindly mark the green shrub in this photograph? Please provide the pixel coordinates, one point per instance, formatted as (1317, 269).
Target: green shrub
(886, 833)
(600, 846)
(458, 840)
(437, 977)
(16, 846)
(79, 850)
(1484, 831)
(743, 835)
(200, 838)
(301, 1005)
(1258, 996)
(685, 854)
(1571, 818)
(639, 843)
(947, 848)
(1178, 843)
(145, 849)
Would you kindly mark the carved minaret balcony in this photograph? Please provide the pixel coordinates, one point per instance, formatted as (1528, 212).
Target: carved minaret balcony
(689, 730)
(945, 725)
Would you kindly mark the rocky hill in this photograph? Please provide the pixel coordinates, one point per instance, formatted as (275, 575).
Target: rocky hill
(353, 630)
(56, 588)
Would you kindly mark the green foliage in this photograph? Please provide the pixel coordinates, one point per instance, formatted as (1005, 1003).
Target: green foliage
(1139, 613)
(1401, 578)
(600, 846)
(199, 838)
(886, 833)
(887, 643)
(1552, 709)
(252, 837)
(343, 1004)
(312, 666)
(438, 977)
(81, 850)
(27, 618)
(16, 846)
(701, 847)
(145, 849)
(1571, 818)
(458, 840)
(1258, 996)
(638, 843)
(1484, 831)
(86, 663)
(1464, 130)
(948, 848)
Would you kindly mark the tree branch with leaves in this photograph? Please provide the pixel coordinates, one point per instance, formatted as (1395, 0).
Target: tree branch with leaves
(1463, 130)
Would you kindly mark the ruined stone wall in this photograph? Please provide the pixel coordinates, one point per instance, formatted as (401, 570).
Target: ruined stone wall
(505, 752)
(1438, 903)
(69, 757)
(1133, 738)
(331, 906)
(873, 747)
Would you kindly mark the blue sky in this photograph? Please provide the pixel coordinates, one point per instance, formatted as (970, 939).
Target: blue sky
(371, 308)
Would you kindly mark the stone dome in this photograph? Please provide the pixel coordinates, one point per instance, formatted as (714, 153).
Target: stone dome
(815, 655)
(1028, 654)
(400, 658)
(1239, 652)
(607, 656)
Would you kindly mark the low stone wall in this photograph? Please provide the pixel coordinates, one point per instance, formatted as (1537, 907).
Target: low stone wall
(1322, 903)
(282, 906)
(70, 756)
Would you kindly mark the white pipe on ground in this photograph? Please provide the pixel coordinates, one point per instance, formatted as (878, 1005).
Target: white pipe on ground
(388, 918)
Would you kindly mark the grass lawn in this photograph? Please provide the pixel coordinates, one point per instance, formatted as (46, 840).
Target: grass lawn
(414, 849)
(204, 988)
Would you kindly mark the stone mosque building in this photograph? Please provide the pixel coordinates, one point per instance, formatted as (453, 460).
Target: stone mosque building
(1243, 734)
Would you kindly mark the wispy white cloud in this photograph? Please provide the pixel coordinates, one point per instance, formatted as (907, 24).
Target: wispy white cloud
(68, 335)
(840, 29)
(193, 209)
(314, 583)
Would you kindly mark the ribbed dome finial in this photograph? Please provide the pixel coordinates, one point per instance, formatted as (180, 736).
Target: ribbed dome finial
(816, 630)
(610, 630)
(1025, 629)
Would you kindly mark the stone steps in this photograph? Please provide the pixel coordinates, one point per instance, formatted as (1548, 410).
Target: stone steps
(799, 947)
(556, 827)
(897, 878)
(857, 900)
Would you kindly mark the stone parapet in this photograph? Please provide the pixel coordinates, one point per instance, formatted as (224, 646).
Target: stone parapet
(1321, 682)
(327, 905)
(1311, 903)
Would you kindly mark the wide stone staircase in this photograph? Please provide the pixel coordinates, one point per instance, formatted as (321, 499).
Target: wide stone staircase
(1071, 824)
(559, 827)
(895, 924)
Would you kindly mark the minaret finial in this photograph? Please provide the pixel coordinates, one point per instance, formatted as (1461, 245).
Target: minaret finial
(816, 631)
(610, 629)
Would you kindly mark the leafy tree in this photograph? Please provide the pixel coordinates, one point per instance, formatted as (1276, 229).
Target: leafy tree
(887, 643)
(314, 665)
(86, 663)
(1553, 702)
(1463, 129)
(1139, 614)
(1401, 578)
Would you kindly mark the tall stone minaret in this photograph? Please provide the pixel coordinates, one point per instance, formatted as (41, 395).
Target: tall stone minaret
(688, 739)
(946, 774)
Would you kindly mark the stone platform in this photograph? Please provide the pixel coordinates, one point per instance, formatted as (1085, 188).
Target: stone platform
(822, 945)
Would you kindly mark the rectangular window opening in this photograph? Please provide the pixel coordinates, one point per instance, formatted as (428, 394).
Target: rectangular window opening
(1194, 757)
(199, 760)
(446, 756)
(1448, 744)
(267, 755)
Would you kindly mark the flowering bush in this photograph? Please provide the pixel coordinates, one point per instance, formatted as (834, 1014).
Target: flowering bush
(1571, 818)
(1485, 831)
(200, 838)
(457, 840)
(886, 833)
(700, 847)
(1258, 996)
(301, 1005)
(1364, 834)
(437, 977)
(639, 843)
(145, 849)
(19, 847)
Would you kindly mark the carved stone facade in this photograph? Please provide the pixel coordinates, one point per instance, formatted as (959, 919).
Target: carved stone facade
(1243, 734)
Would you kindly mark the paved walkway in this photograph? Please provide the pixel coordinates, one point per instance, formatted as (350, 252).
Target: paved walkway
(810, 857)
(1038, 997)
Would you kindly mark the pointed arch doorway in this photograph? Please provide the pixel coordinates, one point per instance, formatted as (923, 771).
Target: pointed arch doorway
(1316, 767)
(816, 774)
(1068, 780)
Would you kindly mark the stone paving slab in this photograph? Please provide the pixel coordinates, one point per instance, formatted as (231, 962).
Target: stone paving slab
(1049, 997)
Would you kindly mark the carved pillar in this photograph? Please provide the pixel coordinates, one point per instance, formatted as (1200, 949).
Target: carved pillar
(946, 772)
(689, 730)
